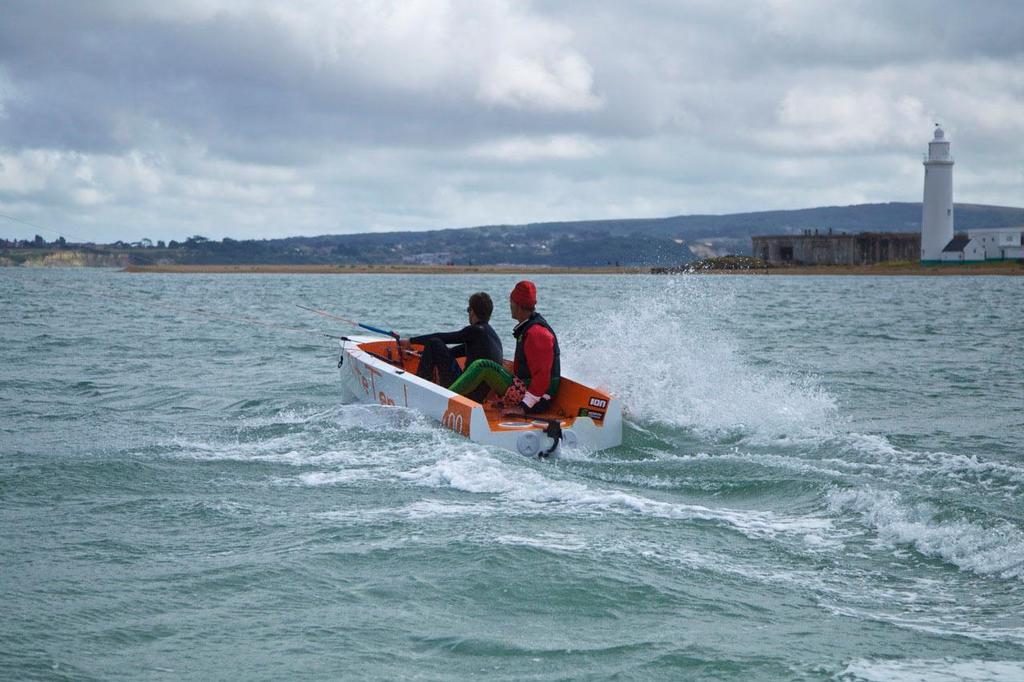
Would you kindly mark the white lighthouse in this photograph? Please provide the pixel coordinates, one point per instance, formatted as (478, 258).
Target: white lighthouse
(937, 207)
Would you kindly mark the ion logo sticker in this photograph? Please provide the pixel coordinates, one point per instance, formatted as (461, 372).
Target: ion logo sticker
(598, 403)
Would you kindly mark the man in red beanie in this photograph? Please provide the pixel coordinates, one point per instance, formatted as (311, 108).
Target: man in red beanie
(536, 365)
(536, 369)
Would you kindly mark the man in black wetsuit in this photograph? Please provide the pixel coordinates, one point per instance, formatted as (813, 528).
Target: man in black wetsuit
(476, 341)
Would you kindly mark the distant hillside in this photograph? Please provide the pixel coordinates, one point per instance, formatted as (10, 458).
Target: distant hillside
(651, 241)
(637, 242)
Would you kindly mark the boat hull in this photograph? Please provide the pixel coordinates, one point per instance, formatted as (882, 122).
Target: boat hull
(586, 418)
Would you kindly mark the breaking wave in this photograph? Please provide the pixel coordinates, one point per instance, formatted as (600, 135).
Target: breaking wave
(996, 548)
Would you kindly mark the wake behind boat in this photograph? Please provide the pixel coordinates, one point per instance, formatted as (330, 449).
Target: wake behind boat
(375, 371)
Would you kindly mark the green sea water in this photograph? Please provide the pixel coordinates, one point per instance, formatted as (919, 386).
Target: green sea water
(821, 478)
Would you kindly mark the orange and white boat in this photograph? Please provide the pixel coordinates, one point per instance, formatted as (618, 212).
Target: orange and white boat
(374, 371)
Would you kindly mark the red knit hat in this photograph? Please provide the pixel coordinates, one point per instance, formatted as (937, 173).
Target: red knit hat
(525, 294)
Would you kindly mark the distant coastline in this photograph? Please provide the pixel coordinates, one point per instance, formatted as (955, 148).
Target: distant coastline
(384, 269)
(635, 245)
(883, 269)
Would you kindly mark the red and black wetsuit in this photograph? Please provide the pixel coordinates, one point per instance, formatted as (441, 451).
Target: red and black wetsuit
(537, 361)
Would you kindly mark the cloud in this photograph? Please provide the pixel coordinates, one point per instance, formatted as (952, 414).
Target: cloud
(25, 173)
(133, 118)
(524, 149)
(341, 73)
(846, 120)
(523, 83)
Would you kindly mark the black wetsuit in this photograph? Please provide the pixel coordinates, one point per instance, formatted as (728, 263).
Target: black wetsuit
(474, 342)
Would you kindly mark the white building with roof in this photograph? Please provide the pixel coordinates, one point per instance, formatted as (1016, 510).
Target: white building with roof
(962, 249)
(999, 243)
(985, 244)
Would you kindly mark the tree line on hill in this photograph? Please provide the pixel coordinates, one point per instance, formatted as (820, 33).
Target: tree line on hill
(657, 242)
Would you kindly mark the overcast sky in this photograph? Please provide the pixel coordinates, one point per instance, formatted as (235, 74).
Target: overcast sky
(168, 118)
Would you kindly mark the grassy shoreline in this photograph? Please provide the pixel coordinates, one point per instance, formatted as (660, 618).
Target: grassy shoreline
(882, 269)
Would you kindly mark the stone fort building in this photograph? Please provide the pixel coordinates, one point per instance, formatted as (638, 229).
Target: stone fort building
(814, 248)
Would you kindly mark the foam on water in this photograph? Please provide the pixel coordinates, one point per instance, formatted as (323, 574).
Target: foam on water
(666, 352)
(420, 510)
(938, 622)
(484, 473)
(964, 469)
(552, 542)
(321, 478)
(283, 417)
(933, 670)
(996, 549)
(365, 434)
(794, 463)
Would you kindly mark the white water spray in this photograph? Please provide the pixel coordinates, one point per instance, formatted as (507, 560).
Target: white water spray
(667, 352)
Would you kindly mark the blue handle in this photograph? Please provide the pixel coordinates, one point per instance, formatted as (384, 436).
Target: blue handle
(376, 330)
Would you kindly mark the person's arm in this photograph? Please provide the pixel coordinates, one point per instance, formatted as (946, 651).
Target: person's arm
(539, 346)
(461, 336)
